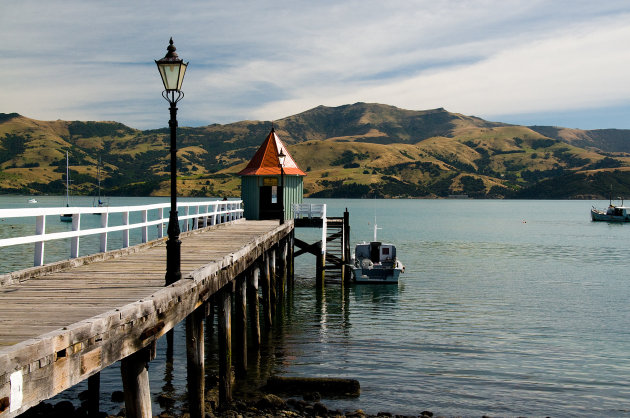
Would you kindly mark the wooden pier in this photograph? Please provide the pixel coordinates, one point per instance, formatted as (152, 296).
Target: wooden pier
(64, 322)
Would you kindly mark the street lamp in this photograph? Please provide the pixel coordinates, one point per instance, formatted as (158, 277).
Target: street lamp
(172, 70)
(281, 158)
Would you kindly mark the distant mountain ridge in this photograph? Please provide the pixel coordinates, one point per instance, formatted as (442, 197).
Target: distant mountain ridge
(357, 150)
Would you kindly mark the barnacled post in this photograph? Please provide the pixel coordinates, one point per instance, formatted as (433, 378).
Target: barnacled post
(252, 301)
(135, 379)
(225, 345)
(240, 317)
(195, 362)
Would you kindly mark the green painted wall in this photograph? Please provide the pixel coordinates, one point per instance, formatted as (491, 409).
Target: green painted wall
(250, 193)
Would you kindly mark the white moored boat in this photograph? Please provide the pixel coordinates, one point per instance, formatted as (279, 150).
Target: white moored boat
(376, 262)
(611, 214)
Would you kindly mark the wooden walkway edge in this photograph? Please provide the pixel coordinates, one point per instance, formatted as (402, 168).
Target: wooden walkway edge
(62, 323)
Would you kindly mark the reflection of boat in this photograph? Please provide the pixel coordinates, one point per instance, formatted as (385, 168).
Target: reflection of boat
(32, 200)
(612, 213)
(376, 262)
(67, 217)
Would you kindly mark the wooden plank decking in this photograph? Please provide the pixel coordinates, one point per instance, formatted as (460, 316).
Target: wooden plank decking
(60, 327)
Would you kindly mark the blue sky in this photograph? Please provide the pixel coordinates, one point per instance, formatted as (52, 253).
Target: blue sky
(545, 62)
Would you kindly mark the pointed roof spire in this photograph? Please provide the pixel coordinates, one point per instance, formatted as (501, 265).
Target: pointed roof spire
(266, 163)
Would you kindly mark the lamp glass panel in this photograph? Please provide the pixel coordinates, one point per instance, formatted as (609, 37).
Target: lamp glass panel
(170, 75)
(182, 71)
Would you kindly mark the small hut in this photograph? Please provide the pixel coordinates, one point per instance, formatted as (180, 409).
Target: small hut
(265, 187)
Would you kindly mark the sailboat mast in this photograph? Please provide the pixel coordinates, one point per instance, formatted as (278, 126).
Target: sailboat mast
(67, 182)
(98, 174)
(376, 228)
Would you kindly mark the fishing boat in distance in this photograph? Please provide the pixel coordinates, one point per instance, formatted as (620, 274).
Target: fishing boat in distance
(33, 200)
(611, 214)
(376, 262)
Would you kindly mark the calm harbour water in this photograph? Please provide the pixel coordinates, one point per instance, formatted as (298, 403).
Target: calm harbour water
(505, 308)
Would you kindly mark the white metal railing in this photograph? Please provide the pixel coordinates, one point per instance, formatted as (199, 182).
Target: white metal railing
(202, 213)
(309, 210)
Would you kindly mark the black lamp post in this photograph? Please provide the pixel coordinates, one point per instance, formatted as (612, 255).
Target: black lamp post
(172, 70)
(281, 158)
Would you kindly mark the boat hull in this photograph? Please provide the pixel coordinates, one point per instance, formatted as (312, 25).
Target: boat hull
(597, 215)
(65, 218)
(375, 275)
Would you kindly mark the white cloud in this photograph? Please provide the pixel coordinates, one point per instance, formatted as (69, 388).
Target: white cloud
(573, 68)
(86, 60)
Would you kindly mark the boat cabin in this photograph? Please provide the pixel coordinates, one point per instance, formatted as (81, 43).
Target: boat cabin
(376, 251)
(616, 211)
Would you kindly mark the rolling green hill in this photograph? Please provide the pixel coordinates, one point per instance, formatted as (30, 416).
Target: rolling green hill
(359, 150)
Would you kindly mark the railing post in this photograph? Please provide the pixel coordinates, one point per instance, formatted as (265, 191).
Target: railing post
(104, 219)
(145, 228)
(125, 221)
(205, 217)
(160, 232)
(74, 243)
(40, 229)
(186, 212)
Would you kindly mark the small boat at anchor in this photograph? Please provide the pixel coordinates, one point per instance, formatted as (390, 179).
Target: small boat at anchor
(32, 200)
(376, 262)
(611, 214)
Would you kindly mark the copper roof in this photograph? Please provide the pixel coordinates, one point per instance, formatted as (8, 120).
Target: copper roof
(265, 161)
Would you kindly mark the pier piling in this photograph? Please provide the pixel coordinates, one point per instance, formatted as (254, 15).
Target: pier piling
(195, 362)
(135, 379)
(94, 393)
(240, 322)
(266, 292)
(225, 345)
(252, 301)
(273, 280)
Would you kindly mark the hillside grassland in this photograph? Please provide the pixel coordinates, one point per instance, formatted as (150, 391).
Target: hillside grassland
(359, 150)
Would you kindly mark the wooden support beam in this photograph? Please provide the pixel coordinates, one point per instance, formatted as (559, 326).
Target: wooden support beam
(195, 363)
(225, 345)
(252, 301)
(240, 322)
(94, 393)
(307, 248)
(135, 380)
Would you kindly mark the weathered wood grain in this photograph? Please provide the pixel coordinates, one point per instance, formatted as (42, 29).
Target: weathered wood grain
(62, 323)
